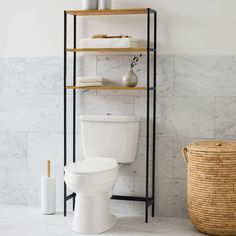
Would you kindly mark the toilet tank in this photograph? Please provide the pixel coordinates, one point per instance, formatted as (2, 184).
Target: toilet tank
(110, 136)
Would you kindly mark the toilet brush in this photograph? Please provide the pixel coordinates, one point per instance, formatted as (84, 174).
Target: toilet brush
(48, 192)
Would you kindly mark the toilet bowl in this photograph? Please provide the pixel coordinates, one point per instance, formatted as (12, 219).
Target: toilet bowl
(106, 142)
(92, 180)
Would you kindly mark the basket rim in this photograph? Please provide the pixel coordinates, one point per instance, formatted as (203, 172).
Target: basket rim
(212, 146)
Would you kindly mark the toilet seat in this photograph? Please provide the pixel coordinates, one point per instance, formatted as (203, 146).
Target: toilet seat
(92, 171)
(91, 165)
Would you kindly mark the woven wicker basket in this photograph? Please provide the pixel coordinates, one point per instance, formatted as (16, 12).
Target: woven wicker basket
(212, 186)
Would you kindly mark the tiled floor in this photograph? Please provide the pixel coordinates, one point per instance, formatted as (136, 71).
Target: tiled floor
(28, 221)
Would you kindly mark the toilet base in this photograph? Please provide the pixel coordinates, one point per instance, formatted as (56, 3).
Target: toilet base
(92, 214)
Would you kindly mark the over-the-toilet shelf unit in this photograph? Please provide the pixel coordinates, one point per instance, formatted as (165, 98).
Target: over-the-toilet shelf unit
(149, 88)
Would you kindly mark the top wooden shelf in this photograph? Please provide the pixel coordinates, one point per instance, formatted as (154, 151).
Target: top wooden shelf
(108, 12)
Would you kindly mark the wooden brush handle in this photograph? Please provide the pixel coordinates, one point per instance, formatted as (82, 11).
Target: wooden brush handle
(117, 37)
(48, 168)
(99, 36)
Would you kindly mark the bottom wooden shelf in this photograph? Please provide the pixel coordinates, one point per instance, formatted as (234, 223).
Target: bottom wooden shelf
(106, 88)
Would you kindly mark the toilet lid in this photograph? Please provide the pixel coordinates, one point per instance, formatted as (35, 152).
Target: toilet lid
(91, 165)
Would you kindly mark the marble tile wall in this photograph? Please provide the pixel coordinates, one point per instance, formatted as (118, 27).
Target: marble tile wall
(196, 100)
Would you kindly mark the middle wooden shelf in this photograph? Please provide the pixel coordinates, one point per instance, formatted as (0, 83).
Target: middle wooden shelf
(107, 50)
(106, 88)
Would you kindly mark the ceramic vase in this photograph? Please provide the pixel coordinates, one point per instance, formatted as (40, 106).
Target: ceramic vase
(130, 79)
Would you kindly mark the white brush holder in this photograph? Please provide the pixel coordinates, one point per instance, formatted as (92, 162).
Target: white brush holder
(48, 195)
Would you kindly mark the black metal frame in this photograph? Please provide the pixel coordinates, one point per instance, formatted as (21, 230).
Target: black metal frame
(149, 201)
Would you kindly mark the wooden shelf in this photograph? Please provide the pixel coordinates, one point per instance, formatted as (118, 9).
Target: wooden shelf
(107, 12)
(106, 88)
(106, 50)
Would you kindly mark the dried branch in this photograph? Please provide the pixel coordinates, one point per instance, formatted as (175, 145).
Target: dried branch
(135, 61)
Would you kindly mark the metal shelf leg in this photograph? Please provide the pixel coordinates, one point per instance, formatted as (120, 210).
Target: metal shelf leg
(65, 103)
(154, 115)
(148, 115)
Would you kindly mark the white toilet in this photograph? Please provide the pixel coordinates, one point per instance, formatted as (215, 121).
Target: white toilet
(106, 142)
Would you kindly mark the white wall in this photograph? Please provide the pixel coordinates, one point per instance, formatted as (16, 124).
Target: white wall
(35, 28)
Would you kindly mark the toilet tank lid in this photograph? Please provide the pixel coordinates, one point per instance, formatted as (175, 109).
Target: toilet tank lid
(109, 118)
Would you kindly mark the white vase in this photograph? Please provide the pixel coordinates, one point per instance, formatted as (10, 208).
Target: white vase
(90, 4)
(130, 79)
